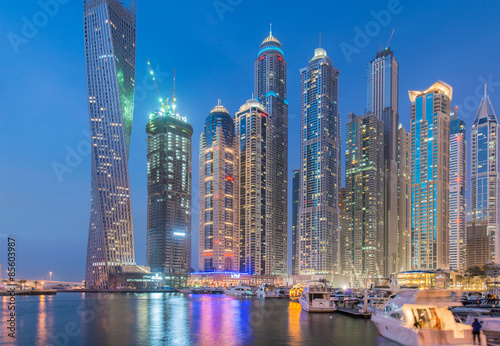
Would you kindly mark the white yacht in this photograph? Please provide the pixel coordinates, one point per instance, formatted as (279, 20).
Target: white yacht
(267, 291)
(421, 317)
(317, 298)
(239, 291)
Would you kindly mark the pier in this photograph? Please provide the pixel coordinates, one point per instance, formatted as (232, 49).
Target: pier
(354, 313)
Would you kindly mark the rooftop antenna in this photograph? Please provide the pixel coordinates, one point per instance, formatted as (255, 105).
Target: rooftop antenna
(271, 29)
(390, 38)
(218, 102)
(485, 92)
(173, 96)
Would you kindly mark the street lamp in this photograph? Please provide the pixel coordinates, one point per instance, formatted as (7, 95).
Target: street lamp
(42, 285)
(50, 276)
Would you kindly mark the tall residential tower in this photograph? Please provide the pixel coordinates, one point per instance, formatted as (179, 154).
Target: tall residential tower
(458, 183)
(320, 167)
(110, 35)
(254, 138)
(270, 91)
(218, 215)
(364, 229)
(169, 193)
(485, 173)
(383, 101)
(430, 174)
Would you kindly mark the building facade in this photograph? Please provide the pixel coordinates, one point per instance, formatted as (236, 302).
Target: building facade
(270, 90)
(169, 193)
(383, 101)
(485, 173)
(295, 220)
(219, 235)
(478, 244)
(458, 185)
(404, 200)
(320, 167)
(110, 36)
(430, 174)
(254, 139)
(364, 229)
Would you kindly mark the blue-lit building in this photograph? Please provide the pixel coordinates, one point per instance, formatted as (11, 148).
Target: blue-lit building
(218, 214)
(430, 174)
(169, 192)
(383, 101)
(270, 90)
(320, 161)
(110, 36)
(485, 173)
(458, 185)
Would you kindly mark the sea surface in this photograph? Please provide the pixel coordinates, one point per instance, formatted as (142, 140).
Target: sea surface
(177, 319)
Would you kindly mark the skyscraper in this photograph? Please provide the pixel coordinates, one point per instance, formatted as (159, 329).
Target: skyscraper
(364, 229)
(295, 220)
(430, 167)
(169, 192)
(485, 173)
(458, 182)
(383, 101)
(110, 35)
(404, 200)
(219, 234)
(320, 167)
(254, 138)
(270, 91)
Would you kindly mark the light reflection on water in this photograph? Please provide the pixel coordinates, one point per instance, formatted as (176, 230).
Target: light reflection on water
(178, 319)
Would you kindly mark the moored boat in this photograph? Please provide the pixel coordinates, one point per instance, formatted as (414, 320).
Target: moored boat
(421, 317)
(317, 298)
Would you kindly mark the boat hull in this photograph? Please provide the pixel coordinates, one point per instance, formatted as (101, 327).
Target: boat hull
(317, 305)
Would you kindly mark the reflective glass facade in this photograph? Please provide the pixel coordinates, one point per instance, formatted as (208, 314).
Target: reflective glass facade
(110, 35)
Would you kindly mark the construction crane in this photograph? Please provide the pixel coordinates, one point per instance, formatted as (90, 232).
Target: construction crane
(390, 38)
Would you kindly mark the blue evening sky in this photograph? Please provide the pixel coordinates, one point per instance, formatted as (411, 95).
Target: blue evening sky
(212, 45)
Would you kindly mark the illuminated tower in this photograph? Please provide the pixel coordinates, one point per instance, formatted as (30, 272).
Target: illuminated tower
(430, 167)
(364, 229)
(110, 35)
(219, 232)
(270, 91)
(458, 183)
(169, 192)
(404, 200)
(254, 138)
(485, 173)
(320, 167)
(295, 220)
(383, 100)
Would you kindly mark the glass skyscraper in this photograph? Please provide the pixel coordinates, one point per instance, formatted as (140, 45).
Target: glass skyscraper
(485, 173)
(110, 36)
(320, 167)
(364, 229)
(169, 193)
(254, 138)
(458, 183)
(383, 101)
(219, 233)
(270, 90)
(404, 200)
(295, 220)
(430, 174)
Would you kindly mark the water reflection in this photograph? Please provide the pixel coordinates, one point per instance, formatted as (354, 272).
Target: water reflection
(179, 319)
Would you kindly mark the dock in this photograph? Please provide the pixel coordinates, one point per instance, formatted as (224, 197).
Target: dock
(30, 293)
(354, 313)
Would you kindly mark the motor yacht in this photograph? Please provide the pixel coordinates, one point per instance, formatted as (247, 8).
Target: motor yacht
(421, 317)
(267, 291)
(239, 291)
(317, 298)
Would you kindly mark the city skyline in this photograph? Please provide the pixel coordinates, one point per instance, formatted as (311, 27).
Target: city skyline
(354, 67)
